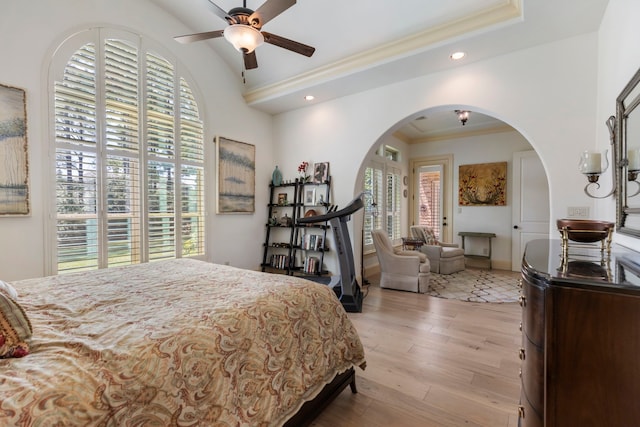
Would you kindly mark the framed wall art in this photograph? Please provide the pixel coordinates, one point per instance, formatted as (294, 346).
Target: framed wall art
(320, 172)
(482, 184)
(14, 161)
(309, 196)
(236, 166)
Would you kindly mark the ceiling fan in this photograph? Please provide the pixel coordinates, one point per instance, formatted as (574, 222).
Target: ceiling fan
(244, 30)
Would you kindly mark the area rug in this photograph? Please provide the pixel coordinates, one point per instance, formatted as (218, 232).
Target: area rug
(476, 285)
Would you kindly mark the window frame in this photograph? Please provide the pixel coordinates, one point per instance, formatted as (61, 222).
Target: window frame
(390, 168)
(144, 46)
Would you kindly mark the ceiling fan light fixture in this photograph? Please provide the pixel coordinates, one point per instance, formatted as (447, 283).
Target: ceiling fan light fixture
(243, 37)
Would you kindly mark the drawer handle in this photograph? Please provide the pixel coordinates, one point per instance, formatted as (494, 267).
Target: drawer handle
(521, 354)
(521, 411)
(519, 283)
(520, 372)
(522, 300)
(520, 327)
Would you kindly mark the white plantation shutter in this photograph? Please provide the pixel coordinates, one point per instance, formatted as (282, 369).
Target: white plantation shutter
(192, 173)
(122, 162)
(382, 186)
(373, 186)
(76, 163)
(129, 151)
(161, 175)
(393, 200)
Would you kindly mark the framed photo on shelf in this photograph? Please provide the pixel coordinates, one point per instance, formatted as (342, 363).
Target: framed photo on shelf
(309, 196)
(282, 198)
(320, 200)
(320, 172)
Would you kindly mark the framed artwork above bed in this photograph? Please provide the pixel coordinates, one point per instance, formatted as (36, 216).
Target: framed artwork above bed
(14, 165)
(236, 167)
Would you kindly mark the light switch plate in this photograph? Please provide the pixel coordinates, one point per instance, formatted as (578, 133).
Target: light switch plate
(578, 212)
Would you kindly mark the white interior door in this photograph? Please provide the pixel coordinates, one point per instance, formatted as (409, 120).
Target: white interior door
(530, 211)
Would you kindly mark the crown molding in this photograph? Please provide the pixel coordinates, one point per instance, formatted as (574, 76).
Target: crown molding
(500, 14)
(455, 135)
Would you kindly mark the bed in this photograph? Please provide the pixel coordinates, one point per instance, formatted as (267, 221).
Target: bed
(177, 343)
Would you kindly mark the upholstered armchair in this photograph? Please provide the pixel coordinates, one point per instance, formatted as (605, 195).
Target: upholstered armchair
(444, 258)
(402, 270)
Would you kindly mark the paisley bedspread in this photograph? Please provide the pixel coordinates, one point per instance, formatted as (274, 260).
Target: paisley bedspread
(174, 343)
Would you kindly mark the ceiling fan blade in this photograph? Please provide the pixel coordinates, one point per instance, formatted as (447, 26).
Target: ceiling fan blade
(189, 38)
(291, 45)
(221, 13)
(250, 60)
(269, 10)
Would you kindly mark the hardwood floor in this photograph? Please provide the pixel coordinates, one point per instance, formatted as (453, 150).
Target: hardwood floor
(432, 362)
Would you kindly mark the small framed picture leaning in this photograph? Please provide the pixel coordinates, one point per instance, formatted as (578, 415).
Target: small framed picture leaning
(320, 172)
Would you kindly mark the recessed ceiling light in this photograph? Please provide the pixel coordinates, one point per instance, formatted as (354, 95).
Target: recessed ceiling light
(457, 55)
(309, 97)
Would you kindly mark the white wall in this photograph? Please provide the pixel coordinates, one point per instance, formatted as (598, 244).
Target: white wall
(547, 93)
(619, 59)
(557, 96)
(32, 30)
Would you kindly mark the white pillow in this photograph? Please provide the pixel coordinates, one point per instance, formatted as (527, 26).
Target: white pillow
(9, 290)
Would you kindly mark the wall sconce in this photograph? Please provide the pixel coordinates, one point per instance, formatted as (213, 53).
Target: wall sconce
(595, 163)
(463, 116)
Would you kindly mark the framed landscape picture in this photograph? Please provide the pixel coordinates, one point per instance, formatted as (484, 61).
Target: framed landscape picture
(236, 166)
(14, 166)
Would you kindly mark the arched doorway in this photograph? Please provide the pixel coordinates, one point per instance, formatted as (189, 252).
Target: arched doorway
(437, 133)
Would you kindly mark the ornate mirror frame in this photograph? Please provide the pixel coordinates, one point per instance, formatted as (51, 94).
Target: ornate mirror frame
(627, 135)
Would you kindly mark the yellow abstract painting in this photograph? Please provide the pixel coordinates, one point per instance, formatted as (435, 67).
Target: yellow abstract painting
(483, 184)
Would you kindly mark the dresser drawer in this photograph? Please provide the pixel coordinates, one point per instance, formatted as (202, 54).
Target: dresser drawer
(527, 416)
(532, 302)
(532, 373)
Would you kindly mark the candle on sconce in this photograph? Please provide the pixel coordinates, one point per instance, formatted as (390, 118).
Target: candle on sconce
(591, 162)
(633, 156)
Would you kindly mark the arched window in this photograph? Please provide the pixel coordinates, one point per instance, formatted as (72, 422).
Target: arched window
(129, 155)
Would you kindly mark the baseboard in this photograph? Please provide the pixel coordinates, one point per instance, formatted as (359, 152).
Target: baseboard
(371, 270)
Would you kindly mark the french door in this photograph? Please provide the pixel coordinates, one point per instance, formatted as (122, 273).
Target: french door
(431, 195)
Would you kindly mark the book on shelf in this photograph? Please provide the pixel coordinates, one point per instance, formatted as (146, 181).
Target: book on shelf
(279, 261)
(311, 265)
(312, 242)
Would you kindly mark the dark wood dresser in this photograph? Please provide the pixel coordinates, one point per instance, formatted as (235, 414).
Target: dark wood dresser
(580, 337)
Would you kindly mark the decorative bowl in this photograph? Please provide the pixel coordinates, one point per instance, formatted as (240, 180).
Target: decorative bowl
(585, 230)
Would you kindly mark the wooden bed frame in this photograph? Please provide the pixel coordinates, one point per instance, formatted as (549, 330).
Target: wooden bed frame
(311, 409)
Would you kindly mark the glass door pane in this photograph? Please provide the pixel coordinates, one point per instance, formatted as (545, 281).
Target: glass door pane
(429, 206)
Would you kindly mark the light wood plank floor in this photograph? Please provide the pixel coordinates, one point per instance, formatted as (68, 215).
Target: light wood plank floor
(432, 362)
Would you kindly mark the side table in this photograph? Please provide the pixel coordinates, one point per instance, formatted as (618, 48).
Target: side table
(487, 236)
(411, 244)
